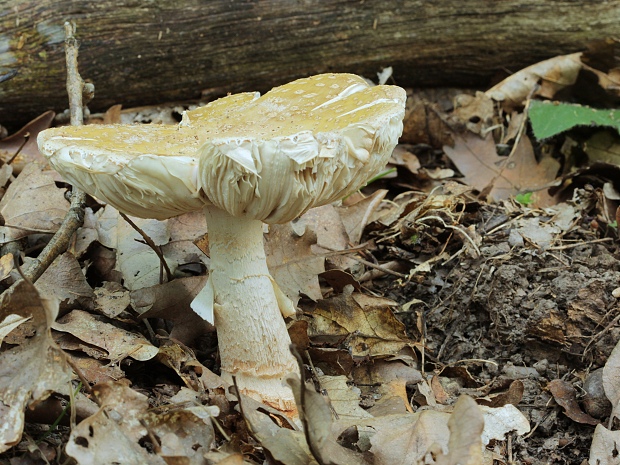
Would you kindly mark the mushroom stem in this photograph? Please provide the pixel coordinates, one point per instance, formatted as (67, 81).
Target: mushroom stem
(252, 336)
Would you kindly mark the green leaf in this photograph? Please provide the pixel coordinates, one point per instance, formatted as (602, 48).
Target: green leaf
(524, 198)
(551, 118)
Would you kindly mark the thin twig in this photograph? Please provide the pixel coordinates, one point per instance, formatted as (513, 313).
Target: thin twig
(59, 244)
(379, 267)
(74, 218)
(577, 244)
(151, 244)
(361, 260)
(26, 139)
(76, 369)
(75, 83)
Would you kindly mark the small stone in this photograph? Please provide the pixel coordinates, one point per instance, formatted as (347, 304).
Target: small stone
(542, 366)
(517, 372)
(595, 401)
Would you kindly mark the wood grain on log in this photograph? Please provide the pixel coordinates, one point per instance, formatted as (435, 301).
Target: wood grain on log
(141, 52)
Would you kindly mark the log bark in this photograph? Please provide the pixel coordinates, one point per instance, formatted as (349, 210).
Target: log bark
(141, 52)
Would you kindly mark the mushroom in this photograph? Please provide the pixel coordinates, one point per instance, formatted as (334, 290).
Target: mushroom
(245, 160)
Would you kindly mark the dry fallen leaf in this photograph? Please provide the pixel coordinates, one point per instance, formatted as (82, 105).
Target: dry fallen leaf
(182, 360)
(513, 396)
(30, 151)
(111, 299)
(7, 262)
(564, 394)
(343, 398)
(356, 216)
(552, 75)
(171, 302)
(325, 222)
(292, 263)
(316, 416)
(401, 156)
(31, 204)
(389, 379)
(9, 323)
(465, 424)
(116, 342)
(65, 280)
(366, 323)
(500, 177)
(85, 235)
(606, 443)
(94, 370)
(498, 422)
(611, 380)
(406, 438)
(32, 370)
(184, 230)
(287, 447)
(118, 431)
(474, 112)
(605, 447)
(138, 263)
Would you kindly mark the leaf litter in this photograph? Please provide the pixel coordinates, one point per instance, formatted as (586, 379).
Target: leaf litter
(456, 312)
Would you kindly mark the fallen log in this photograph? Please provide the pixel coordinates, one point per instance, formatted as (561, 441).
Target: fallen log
(143, 52)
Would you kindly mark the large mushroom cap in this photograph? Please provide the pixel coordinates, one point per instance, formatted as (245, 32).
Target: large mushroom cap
(303, 144)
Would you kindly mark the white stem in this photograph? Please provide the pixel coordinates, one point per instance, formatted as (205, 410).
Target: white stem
(252, 336)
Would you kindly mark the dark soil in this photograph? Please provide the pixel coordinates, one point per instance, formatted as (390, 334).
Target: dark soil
(527, 314)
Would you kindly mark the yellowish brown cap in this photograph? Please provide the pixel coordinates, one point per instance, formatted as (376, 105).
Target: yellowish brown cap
(303, 144)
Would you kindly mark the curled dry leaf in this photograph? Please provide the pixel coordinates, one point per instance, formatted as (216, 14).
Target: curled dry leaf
(9, 323)
(552, 75)
(564, 394)
(32, 370)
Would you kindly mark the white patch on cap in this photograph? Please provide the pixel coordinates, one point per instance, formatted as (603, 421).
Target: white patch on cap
(301, 147)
